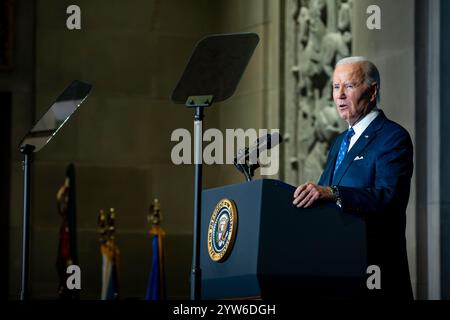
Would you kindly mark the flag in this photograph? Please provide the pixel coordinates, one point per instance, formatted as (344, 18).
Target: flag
(110, 283)
(110, 256)
(156, 280)
(67, 249)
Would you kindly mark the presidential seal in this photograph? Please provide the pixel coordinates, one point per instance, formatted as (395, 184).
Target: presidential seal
(222, 230)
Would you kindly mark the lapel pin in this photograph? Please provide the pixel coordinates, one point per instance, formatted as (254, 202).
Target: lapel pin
(366, 136)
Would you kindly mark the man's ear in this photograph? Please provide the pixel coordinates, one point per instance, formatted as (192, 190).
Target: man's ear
(373, 91)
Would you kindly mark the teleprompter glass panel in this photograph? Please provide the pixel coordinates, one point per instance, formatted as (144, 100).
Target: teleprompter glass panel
(55, 117)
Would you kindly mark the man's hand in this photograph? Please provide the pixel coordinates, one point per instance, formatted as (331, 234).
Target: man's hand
(307, 194)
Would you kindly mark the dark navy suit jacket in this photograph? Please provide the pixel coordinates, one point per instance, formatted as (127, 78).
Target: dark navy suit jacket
(374, 181)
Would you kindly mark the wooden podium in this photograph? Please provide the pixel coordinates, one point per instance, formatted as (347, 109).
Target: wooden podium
(280, 251)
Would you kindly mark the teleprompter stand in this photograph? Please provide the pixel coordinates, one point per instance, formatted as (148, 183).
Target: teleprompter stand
(212, 74)
(37, 138)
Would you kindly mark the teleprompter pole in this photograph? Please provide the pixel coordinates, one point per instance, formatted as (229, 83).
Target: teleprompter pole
(196, 274)
(27, 151)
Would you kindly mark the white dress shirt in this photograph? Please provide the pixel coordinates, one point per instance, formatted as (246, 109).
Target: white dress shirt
(362, 125)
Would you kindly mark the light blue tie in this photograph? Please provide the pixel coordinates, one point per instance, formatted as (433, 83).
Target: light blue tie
(343, 149)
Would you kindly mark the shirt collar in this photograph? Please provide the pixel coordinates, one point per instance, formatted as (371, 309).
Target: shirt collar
(365, 122)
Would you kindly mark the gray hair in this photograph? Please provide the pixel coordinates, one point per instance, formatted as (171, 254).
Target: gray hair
(371, 73)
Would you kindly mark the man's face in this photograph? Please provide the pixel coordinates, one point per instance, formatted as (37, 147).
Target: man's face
(352, 96)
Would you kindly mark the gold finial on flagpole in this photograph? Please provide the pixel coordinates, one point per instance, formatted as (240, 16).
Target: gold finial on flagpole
(111, 224)
(154, 216)
(106, 225)
(102, 226)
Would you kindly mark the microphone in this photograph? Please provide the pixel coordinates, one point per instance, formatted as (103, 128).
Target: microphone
(265, 142)
(251, 154)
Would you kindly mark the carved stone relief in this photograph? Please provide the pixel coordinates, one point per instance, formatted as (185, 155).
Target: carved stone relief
(317, 35)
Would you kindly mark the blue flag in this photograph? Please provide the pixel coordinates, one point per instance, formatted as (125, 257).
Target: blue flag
(156, 280)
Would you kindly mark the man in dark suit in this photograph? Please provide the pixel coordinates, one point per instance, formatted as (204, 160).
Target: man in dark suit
(368, 172)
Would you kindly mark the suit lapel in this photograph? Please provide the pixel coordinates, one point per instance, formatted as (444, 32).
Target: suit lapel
(364, 140)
